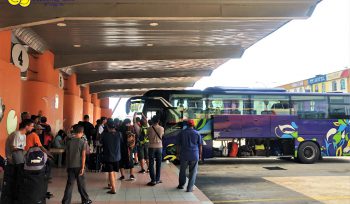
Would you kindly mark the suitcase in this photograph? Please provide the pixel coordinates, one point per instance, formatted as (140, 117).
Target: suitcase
(34, 188)
(94, 162)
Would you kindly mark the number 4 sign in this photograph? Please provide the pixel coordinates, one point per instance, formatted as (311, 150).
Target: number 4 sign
(20, 57)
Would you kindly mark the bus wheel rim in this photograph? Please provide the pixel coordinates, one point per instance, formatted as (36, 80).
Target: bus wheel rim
(309, 152)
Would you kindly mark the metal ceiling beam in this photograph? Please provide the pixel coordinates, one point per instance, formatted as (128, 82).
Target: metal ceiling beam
(39, 12)
(94, 77)
(151, 53)
(105, 87)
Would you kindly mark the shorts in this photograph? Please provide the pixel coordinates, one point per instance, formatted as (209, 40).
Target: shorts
(110, 167)
(143, 152)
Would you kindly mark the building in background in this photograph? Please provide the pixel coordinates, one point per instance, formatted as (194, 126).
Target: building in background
(333, 82)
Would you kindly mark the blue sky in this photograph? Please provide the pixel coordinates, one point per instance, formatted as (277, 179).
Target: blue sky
(300, 49)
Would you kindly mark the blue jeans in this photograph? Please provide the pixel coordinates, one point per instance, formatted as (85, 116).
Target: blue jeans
(193, 167)
(155, 153)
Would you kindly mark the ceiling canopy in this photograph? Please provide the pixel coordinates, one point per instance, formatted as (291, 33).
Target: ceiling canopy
(126, 47)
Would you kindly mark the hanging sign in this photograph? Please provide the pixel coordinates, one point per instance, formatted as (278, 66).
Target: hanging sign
(20, 57)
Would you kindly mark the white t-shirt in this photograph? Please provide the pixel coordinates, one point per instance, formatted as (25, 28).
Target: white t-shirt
(100, 129)
(19, 140)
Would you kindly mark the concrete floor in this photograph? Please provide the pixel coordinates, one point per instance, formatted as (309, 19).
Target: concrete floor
(228, 180)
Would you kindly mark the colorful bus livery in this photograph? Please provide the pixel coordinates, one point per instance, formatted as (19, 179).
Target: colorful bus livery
(330, 136)
(257, 122)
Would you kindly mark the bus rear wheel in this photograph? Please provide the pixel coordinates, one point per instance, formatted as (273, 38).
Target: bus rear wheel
(308, 152)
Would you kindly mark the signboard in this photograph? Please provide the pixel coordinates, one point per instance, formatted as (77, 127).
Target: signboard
(298, 84)
(20, 57)
(317, 79)
(338, 75)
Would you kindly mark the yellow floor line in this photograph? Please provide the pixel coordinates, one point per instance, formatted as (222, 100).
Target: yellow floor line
(317, 198)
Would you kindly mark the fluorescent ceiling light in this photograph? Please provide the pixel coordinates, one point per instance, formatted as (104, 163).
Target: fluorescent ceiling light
(154, 24)
(61, 24)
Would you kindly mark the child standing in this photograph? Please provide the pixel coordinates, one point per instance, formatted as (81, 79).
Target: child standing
(76, 155)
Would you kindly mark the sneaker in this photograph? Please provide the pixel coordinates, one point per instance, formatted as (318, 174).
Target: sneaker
(160, 181)
(152, 183)
(142, 171)
(49, 195)
(180, 187)
(132, 177)
(87, 202)
(121, 178)
(136, 163)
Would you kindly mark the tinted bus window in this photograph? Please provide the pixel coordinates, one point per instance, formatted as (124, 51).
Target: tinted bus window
(228, 104)
(310, 107)
(270, 104)
(339, 107)
(190, 106)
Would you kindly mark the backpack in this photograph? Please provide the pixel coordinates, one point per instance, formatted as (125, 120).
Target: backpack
(35, 159)
(143, 138)
(130, 139)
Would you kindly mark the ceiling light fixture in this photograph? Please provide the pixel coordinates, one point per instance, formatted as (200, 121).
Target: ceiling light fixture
(149, 45)
(94, 70)
(77, 45)
(61, 24)
(154, 24)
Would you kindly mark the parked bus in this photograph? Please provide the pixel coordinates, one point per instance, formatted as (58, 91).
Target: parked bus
(253, 122)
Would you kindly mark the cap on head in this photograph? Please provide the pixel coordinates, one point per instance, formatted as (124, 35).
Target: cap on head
(190, 123)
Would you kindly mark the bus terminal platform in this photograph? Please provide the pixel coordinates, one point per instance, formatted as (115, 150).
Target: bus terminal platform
(128, 192)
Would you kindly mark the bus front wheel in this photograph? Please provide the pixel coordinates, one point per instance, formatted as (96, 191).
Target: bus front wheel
(308, 152)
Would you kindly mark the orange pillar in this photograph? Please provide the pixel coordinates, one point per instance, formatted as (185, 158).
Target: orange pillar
(97, 107)
(88, 107)
(105, 111)
(10, 91)
(73, 104)
(41, 92)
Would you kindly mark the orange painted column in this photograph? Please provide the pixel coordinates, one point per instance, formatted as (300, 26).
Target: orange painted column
(73, 104)
(105, 110)
(41, 92)
(88, 107)
(97, 107)
(10, 91)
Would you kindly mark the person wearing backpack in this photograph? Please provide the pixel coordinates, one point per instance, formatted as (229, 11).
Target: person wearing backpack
(127, 148)
(15, 157)
(143, 142)
(111, 140)
(76, 155)
(155, 134)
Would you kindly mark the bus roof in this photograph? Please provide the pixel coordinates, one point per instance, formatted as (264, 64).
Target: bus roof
(229, 90)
